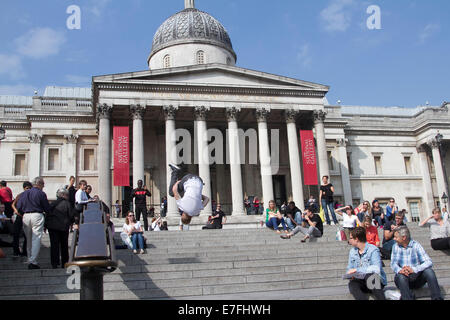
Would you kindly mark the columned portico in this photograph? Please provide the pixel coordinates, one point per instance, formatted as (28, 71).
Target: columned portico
(235, 162)
(294, 159)
(171, 155)
(264, 156)
(203, 155)
(428, 199)
(440, 178)
(319, 118)
(138, 113)
(104, 153)
(34, 165)
(345, 175)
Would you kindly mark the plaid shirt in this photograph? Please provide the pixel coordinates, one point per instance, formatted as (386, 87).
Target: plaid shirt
(413, 256)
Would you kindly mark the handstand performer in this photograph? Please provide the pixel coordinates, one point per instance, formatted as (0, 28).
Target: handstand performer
(188, 194)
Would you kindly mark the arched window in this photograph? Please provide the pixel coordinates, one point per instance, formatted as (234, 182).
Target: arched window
(166, 61)
(200, 57)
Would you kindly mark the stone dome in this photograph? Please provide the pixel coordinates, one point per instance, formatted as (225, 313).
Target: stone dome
(191, 26)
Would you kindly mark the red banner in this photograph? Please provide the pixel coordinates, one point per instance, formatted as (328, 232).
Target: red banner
(122, 156)
(309, 158)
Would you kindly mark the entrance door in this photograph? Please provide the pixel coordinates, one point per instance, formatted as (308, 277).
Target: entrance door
(127, 201)
(279, 190)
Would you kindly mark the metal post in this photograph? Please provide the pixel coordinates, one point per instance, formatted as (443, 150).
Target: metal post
(91, 285)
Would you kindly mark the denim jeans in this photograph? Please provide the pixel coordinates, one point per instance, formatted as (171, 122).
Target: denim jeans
(379, 221)
(329, 206)
(135, 238)
(416, 281)
(275, 222)
(297, 218)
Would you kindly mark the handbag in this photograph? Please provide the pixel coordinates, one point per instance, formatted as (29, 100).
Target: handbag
(322, 214)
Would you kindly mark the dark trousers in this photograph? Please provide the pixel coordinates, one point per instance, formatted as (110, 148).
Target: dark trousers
(142, 209)
(17, 232)
(416, 281)
(59, 247)
(441, 244)
(214, 225)
(359, 290)
(8, 209)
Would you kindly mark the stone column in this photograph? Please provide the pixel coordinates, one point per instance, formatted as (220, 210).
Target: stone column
(428, 199)
(345, 175)
(237, 193)
(71, 163)
(440, 179)
(294, 159)
(104, 153)
(171, 155)
(138, 113)
(264, 156)
(319, 119)
(34, 163)
(203, 155)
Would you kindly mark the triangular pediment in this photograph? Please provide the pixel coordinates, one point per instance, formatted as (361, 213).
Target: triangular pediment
(214, 75)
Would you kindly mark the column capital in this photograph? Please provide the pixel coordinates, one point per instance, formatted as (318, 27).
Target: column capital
(434, 143)
(71, 138)
(421, 148)
(232, 113)
(170, 112)
(319, 115)
(342, 142)
(35, 138)
(104, 111)
(137, 111)
(200, 113)
(291, 115)
(262, 114)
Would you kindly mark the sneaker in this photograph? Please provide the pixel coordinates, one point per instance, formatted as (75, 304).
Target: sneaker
(134, 251)
(33, 266)
(142, 251)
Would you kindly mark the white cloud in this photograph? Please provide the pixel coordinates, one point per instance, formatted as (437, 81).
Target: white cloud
(11, 65)
(428, 31)
(79, 80)
(337, 16)
(304, 57)
(98, 7)
(17, 90)
(40, 43)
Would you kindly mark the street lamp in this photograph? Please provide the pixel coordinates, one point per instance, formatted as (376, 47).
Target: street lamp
(445, 199)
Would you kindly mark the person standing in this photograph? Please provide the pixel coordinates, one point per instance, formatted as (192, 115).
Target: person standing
(89, 191)
(72, 191)
(34, 204)
(439, 229)
(412, 266)
(326, 200)
(81, 198)
(58, 223)
(18, 225)
(140, 194)
(6, 197)
(364, 259)
(117, 209)
(218, 219)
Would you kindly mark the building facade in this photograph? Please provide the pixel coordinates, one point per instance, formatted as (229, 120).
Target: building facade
(194, 99)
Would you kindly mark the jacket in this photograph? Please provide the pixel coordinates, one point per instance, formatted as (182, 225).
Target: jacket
(61, 216)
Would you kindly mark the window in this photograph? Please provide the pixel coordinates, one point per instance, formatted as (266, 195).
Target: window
(330, 160)
(53, 160)
(19, 165)
(89, 160)
(200, 57)
(166, 61)
(349, 162)
(377, 160)
(408, 168)
(414, 210)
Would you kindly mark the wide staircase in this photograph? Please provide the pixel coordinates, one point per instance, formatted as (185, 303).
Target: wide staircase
(252, 264)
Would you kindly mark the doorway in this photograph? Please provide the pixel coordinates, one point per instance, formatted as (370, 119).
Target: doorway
(279, 190)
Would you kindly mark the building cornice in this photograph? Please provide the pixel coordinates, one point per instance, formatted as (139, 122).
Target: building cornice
(61, 118)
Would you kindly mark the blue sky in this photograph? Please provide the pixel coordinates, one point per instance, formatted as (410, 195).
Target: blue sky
(406, 63)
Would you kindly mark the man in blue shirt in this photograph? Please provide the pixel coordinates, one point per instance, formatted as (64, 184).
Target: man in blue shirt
(364, 262)
(34, 203)
(412, 266)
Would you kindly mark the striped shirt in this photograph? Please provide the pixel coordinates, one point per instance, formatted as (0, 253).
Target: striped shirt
(413, 256)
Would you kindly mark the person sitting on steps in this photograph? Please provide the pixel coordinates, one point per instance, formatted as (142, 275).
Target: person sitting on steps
(275, 218)
(313, 227)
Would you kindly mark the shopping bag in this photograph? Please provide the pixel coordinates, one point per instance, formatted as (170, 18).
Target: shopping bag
(343, 236)
(338, 235)
(322, 214)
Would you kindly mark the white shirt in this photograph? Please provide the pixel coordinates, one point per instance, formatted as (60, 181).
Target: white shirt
(349, 222)
(155, 226)
(192, 203)
(127, 227)
(81, 197)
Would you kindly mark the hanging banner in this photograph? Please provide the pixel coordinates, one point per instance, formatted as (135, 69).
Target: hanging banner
(121, 156)
(309, 158)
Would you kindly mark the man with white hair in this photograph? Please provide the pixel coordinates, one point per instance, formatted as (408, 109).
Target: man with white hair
(412, 266)
(34, 204)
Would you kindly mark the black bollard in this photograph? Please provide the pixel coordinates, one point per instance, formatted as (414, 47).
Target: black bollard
(91, 285)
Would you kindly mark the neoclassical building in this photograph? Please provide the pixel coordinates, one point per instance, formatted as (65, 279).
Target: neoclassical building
(193, 97)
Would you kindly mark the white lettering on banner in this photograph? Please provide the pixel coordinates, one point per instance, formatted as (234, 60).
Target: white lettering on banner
(309, 154)
(122, 152)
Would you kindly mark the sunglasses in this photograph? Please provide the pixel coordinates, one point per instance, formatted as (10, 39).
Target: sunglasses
(131, 215)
